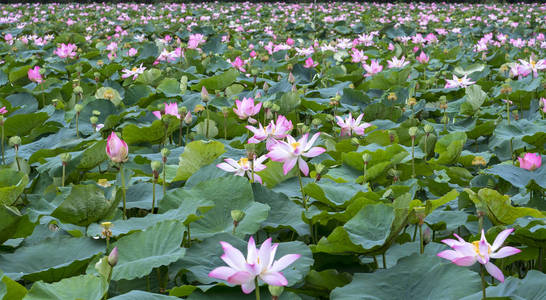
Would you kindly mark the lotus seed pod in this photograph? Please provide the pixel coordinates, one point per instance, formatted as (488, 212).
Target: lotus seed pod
(412, 101)
(267, 104)
(237, 215)
(156, 165)
(275, 107)
(78, 108)
(329, 118)
(96, 113)
(96, 75)
(14, 141)
(366, 157)
(275, 291)
(78, 90)
(320, 168)
(420, 212)
(165, 152)
(413, 131)
(65, 157)
(392, 97)
(316, 122)
(182, 110)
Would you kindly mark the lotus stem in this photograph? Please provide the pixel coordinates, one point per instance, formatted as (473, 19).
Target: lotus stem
(257, 288)
(17, 158)
(153, 194)
(508, 112)
(2, 142)
(413, 157)
(77, 123)
(164, 177)
(189, 235)
(384, 261)
(302, 192)
(64, 172)
(208, 118)
(421, 242)
(180, 133)
(123, 190)
(484, 284)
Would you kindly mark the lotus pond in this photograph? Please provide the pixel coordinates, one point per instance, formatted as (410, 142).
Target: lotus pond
(272, 151)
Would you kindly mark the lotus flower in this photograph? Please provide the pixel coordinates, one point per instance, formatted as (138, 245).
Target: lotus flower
(373, 68)
(458, 82)
(422, 58)
(309, 63)
(243, 166)
(261, 263)
(66, 50)
(533, 66)
(246, 109)
(350, 125)
(3, 110)
(170, 109)
(466, 254)
(397, 63)
(116, 149)
(358, 56)
(543, 100)
(195, 40)
(133, 72)
(291, 152)
(238, 64)
(530, 161)
(34, 75)
(274, 131)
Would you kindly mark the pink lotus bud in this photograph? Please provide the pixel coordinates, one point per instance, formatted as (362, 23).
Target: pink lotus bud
(34, 75)
(113, 257)
(290, 42)
(116, 149)
(531, 161)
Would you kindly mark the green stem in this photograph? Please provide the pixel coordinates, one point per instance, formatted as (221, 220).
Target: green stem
(189, 235)
(421, 242)
(3, 158)
(225, 128)
(208, 117)
(64, 172)
(540, 264)
(302, 192)
(484, 284)
(412, 157)
(384, 261)
(77, 122)
(187, 134)
(164, 179)
(123, 190)
(180, 132)
(257, 288)
(17, 158)
(153, 194)
(426, 152)
(364, 175)
(508, 112)
(252, 170)
(43, 95)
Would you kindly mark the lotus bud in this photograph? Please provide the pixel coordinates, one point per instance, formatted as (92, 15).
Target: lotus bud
(165, 153)
(116, 149)
(204, 94)
(188, 118)
(14, 141)
(366, 158)
(65, 158)
(113, 257)
(413, 132)
(275, 291)
(265, 87)
(78, 108)
(291, 78)
(428, 129)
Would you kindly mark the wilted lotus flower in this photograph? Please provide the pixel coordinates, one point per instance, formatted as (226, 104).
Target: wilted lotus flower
(116, 149)
(246, 109)
(466, 254)
(350, 125)
(34, 75)
(259, 263)
(530, 161)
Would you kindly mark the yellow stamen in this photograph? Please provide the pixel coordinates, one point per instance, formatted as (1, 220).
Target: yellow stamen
(477, 248)
(243, 162)
(134, 69)
(295, 145)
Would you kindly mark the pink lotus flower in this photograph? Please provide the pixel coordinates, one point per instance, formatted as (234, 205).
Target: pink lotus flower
(66, 50)
(530, 161)
(358, 56)
(543, 100)
(170, 109)
(253, 54)
(238, 64)
(274, 131)
(116, 149)
(246, 109)
(422, 58)
(397, 63)
(532, 66)
(458, 82)
(350, 125)
(3, 110)
(291, 152)
(132, 52)
(309, 63)
(244, 166)
(466, 254)
(261, 263)
(290, 42)
(133, 72)
(195, 40)
(373, 68)
(34, 75)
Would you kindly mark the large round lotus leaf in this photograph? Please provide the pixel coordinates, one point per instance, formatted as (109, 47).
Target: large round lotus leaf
(51, 259)
(235, 293)
(519, 177)
(531, 287)
(86, 287)
(196, 155)
(142, 251)
(202, 258)
(142, 295)
(84, 205)
(12, 184)
(13, 224)
(414, 277)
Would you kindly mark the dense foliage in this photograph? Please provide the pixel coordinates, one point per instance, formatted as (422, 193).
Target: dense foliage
(346, 141)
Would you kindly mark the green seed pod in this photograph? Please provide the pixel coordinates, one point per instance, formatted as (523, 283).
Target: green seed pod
(275, 291)
(78, 108)
(165, 152)
(413, 131)
(14, 141)
(65, 157)
(429, 128)
(156, 165)
(237, 215)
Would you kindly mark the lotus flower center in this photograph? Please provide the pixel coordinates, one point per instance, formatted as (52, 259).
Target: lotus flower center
(533, 63)
(459, 79)
(243, 162)
(109, 94)
(295, 145)
(477, 248)
(134, 69)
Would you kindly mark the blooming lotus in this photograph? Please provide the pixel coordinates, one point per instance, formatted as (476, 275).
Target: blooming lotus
(291, 152)
(422, 58)
(261, 263)
(3, 110)
(195, 40)
(466, 254)
(238, 64)
(543, 100)
(309, 63)
(526, 67)
(132, 52)
(358, 56)
(170, 109)
(133, 72)
(116, 149)
(373, 68)
(397, 63)
(66, 50)
(246, 109)
(34, 75)
(530, 161)
(351, 125)
(271, 133)
(458, 82)
(244, 166)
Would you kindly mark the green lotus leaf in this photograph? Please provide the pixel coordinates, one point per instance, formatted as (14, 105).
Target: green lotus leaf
(12, 184)
(87, 287)
(196, 155)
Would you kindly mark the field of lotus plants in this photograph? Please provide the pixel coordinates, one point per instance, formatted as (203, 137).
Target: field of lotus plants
(272, 151)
